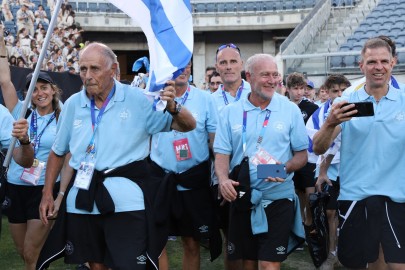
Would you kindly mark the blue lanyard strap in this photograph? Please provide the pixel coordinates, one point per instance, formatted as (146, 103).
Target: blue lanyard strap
(238, 94)
(95, 122)
(261, 134)
(34, 136)
(185, 96)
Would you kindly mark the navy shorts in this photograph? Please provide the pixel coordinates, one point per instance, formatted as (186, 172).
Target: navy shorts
(270, 246)
(117, 240)
(24, 202)
(305, 177)
(373, 221)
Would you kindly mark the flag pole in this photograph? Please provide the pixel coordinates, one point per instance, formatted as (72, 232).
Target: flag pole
(34, 77)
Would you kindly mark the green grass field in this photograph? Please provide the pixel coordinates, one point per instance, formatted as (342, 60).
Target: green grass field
(9, 259)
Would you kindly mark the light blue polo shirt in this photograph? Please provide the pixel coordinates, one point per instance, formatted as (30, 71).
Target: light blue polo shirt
(284, 134)
(6, 127)
(372, 160)
(219, 98)
(202, 107)
(123, 136)
(47, 139)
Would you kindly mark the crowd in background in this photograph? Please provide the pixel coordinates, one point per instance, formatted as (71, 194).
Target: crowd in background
(26, 24)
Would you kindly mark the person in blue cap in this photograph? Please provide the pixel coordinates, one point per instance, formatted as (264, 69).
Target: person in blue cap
(309, 91)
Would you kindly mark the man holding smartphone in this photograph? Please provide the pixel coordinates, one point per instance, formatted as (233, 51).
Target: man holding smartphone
(372, 190)
(264, 128)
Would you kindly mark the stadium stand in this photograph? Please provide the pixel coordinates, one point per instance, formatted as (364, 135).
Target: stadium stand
(387, 18)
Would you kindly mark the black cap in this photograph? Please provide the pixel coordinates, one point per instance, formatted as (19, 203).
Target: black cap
(42, 76)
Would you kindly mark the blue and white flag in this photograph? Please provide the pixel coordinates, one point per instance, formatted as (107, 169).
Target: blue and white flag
(313, 125)
(141, 62)
(168, 27)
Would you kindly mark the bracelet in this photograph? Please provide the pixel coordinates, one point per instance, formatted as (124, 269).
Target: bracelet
(61, 193)
(3, 56)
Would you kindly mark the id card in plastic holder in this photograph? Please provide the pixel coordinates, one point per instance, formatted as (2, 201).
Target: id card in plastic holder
(182, 149)
(32, 175)
(84, 175)
(262, 157)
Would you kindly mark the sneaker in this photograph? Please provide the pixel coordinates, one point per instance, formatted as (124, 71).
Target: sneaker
(329, 263)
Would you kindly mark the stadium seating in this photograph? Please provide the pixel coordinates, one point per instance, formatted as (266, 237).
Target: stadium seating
(82, 7)
(74, 5)
(387, 18)
(336, 62)
(254, 6)
(104, 7)
(93, 7)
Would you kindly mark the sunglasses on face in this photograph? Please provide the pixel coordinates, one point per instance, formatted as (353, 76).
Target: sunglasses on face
(229, 45)
(215, 83)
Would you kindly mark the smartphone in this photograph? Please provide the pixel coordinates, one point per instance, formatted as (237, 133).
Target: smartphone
(363, 108)
(271, 170)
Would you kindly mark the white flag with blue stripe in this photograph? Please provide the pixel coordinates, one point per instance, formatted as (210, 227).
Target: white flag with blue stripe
(168, 27)
(313, 125)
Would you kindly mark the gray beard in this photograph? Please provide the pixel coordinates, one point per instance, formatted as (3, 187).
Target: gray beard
(261, 95)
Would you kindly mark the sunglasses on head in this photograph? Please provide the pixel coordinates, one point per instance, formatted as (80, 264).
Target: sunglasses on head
(229, 45)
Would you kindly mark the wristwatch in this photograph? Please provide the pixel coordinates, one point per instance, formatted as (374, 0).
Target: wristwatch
(177, 109)
(27, 142)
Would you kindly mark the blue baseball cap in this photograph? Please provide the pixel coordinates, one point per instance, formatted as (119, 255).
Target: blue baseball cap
(310, 84)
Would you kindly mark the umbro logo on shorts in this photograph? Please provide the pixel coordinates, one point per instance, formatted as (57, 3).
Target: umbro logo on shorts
(230, 248)
(241, 193)
(280, 250)
(69, 248)
(141, 259)
(203, 229)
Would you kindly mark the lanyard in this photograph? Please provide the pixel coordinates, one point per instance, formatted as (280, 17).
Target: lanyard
(238, 94)
(260, 139)
(95, 122)
(34, 136)
(185, 96)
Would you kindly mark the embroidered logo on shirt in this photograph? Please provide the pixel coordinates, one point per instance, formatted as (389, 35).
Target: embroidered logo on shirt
(77, 123)
(278, 126)
(141, 259)
(280, 250)
(125, 114)
(400, 116)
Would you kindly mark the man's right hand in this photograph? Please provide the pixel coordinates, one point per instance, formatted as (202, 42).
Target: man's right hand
(227, 188)
(340, 113)
(46, 208)
(320, 182)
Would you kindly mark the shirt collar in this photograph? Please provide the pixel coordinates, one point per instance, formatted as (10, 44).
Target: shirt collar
(118, 96)
(273, 106)
(190, 95)
(393, 93)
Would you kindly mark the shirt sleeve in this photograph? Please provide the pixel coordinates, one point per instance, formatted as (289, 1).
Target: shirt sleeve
(299, 137)
(223, 138)
(6, 127)
(212, 118)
